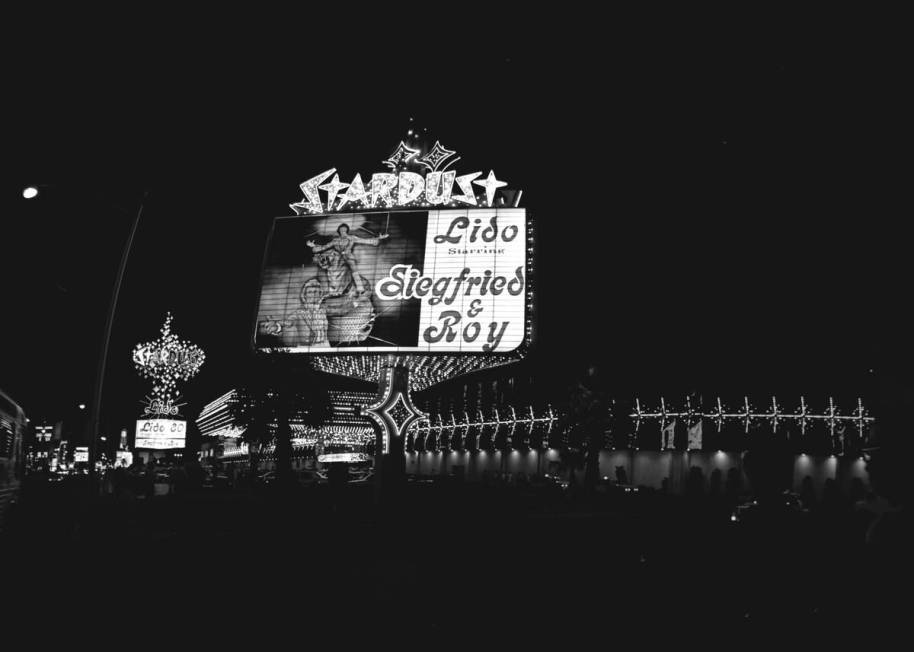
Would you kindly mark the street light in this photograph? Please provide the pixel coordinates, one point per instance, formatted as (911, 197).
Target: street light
(31, 192)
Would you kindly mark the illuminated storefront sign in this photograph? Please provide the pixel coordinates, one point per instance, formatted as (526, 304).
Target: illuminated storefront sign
(436, 281)
(81, 454)
(160, 433)
(331, 458)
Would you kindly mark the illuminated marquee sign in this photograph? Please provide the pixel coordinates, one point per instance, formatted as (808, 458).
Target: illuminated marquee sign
(81, 454)
(160, 433)
(400, 187)
(435, 281)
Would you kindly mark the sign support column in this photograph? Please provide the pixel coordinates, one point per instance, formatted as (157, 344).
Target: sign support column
(393, 412)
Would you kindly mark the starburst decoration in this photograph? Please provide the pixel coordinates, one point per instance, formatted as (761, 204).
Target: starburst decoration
(436, 156)
(399, 413)
(393, 411)
(333, 189)
(401, 156)
(491, 184)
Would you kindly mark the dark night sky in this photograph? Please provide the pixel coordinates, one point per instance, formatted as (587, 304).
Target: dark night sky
(703, 210)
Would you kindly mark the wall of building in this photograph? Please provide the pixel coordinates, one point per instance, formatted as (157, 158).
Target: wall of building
(644, 468)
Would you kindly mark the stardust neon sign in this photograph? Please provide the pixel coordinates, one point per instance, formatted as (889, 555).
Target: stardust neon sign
(166, 361)
(400, 187)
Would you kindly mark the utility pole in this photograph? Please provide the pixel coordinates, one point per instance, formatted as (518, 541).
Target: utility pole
(95, 411)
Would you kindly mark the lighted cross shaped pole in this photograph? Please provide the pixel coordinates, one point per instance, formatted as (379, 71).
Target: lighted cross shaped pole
(719, 415)
(747, 414)
(802, 415)
(552, 418)
(860, 417)
(775, 414)
(496, 420)
(633, 438)
(831, 416)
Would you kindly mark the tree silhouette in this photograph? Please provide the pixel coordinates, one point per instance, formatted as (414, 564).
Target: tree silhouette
(587, 417)
(279, 390)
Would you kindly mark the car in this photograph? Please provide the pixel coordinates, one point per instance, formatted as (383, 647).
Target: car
(791, 503)
(162, 484)
(216, 481)
(360, 477)
(308, 477)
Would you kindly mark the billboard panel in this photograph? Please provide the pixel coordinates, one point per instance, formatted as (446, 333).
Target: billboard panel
(160, 433)
(436, 281)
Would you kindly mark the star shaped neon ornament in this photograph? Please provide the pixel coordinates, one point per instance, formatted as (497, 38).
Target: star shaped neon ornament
(491, 184)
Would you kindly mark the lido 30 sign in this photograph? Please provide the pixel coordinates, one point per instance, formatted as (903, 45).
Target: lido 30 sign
(160, 433)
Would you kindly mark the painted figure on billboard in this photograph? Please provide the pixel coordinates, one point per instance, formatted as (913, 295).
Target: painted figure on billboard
(340, 262)
(307, 326)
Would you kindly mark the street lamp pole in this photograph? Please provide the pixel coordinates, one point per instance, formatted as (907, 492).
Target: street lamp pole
(103, 357)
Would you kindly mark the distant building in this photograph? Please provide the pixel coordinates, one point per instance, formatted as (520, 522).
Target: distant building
(45, 433)
(43, 446)
(215, 420)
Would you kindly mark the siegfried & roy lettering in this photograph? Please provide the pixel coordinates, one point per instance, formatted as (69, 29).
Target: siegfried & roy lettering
(407, 282)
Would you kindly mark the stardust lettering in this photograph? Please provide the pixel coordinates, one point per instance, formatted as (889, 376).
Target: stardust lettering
(386, 189)
(407, 282)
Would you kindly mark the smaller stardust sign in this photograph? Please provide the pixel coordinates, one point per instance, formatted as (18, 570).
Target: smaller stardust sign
(160, 433)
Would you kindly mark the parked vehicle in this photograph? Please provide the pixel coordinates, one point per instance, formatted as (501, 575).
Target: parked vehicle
(12, 429)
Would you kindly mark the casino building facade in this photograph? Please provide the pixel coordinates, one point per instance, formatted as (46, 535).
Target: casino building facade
(345, 430)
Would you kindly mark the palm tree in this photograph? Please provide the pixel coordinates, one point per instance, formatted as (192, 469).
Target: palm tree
(251, 409)
(279, 390)
(587, 417)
